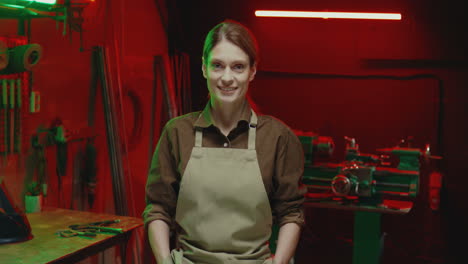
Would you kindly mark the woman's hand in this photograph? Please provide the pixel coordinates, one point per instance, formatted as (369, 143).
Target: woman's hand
(287, 241)
(167, 260)
(158, 235)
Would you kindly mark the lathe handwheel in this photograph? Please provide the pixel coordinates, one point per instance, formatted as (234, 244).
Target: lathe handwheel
(341, 185)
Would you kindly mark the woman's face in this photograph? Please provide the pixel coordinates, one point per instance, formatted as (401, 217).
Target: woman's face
(228, 73)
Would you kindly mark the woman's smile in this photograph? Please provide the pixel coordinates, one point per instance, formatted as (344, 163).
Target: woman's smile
(227, 89)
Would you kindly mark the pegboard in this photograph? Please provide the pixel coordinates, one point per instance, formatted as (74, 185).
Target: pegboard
(14, 106)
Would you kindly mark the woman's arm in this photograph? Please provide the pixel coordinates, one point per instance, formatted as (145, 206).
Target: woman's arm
(289, 196)
(158, 235)
(161, 197)
(287, 241)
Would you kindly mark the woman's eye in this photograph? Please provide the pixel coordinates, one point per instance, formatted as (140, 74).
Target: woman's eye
(217, 65)
(239, 67)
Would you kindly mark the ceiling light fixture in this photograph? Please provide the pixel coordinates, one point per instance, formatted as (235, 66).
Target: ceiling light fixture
(327, 15)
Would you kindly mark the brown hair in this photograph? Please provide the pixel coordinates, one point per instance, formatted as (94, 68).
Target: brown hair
(235, 33)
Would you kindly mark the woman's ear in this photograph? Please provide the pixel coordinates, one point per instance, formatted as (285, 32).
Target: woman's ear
(253, 71)
(204, 68)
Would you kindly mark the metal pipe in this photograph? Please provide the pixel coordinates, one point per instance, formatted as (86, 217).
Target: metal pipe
(113, 140)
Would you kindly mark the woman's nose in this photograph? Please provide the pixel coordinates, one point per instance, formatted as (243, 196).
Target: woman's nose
(227, 77)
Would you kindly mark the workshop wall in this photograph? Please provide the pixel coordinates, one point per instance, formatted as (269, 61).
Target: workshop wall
(132, 35)
(63, 78)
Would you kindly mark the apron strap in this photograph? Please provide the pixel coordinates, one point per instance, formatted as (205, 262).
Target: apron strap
(252, 130)
(198, 137)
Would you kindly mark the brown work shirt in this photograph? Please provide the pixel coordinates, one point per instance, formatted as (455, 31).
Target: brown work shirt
(279, 152)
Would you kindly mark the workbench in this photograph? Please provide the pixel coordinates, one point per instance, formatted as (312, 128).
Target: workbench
(367, 240)
(48, 247)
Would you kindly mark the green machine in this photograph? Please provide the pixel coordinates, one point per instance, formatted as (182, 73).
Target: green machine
(367, 184)
(365, 177)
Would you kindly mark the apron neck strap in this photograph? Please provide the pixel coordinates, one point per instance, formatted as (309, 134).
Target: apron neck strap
(198, 137)
(252, 133)
(252, 130)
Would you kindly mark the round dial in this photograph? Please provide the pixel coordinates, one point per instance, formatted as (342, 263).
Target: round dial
(341, 185)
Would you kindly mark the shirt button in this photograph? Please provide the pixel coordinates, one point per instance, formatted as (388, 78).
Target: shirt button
(225, 144)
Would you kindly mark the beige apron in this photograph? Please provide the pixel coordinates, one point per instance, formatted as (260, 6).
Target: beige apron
(223, 209)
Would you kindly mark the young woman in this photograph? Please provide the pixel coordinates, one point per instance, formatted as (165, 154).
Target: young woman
(221, 177)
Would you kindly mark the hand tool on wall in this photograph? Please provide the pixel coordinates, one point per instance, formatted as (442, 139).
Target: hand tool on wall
(36, 165)
(76, 202)
(11, 110)
(41, 167)
(17, 122)
(61, 144)
(61, 154)
(57, 137)
(5, 117)
(34, 102)
(89, 171)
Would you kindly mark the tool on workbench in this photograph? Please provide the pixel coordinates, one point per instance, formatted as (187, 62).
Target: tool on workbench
(98, 227)
(72, 233)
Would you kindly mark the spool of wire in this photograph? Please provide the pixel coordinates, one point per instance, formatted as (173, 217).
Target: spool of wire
(24, 58)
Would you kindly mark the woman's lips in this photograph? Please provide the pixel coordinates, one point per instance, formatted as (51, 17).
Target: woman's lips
(227, 89)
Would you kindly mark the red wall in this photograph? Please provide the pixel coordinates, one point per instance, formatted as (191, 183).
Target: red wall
(132, 34)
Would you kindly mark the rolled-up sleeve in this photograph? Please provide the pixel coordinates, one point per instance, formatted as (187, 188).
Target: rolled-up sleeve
(161, 186)
(289, 192)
